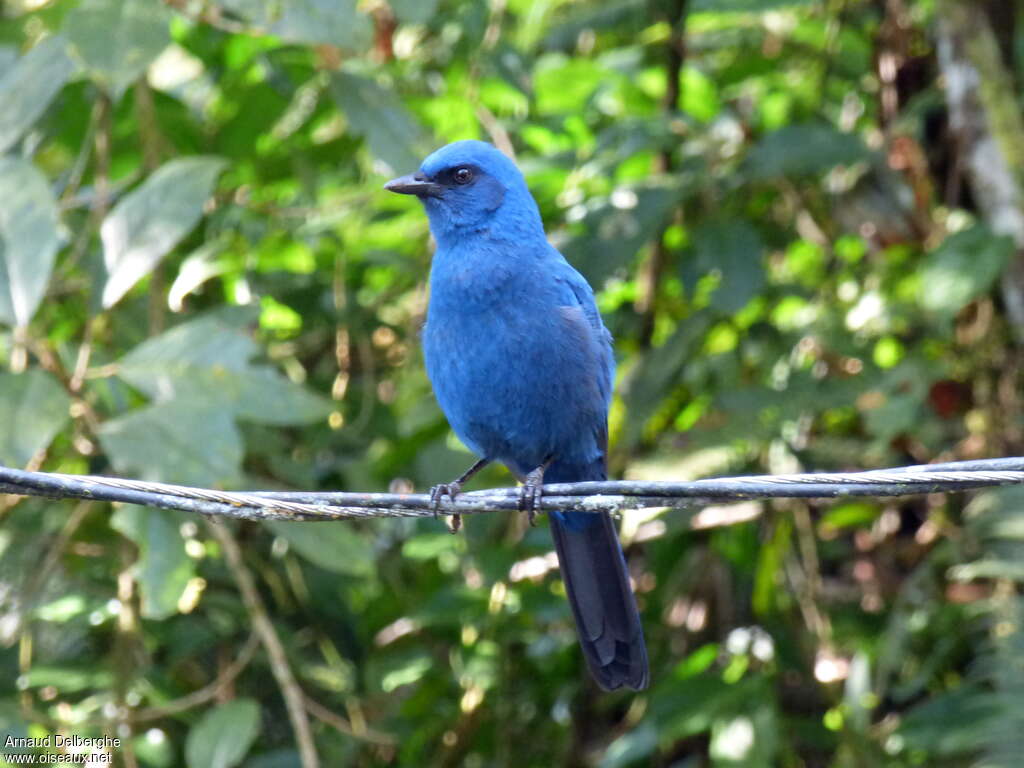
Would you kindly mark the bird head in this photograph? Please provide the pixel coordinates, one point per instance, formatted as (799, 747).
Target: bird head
(470, 186)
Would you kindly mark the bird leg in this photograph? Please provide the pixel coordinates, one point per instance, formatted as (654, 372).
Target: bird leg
(452, 489)
(532, 490)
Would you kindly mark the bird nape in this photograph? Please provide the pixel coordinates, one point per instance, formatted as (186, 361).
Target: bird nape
(522, 367)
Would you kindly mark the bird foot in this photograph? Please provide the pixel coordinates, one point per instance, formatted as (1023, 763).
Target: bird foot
(530, 494)
(451, 490)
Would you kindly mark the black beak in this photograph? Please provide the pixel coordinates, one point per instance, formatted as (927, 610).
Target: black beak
(414, 184)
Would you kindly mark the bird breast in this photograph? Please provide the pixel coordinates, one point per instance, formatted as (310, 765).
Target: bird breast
(517, 374)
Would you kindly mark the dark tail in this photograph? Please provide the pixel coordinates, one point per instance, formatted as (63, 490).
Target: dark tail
(595, 576)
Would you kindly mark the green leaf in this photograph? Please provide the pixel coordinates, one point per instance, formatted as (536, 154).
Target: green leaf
(117, 39)
(743, 6)
(265, 396)
(28, 239)
(625, 15)
(413, 11)
(997, 514)
(279, 758)
(13, 725)
(336, 548)
(952, 723)
(152, 219)
(30, 85)
(771, 557)
(316, 22)
(849, 514)
(188, 442)
(223, 736)
(688, 706)
(615, 228)
(565, 84)
(746, 740)
(69, 677)
(62, 609)
(963, 267)
(378, 116)
(632, 747)
(210, 340)
(206, 360)
(734, 250)
(429, 546)
(33, 409)
(807, 149)
(164, 568)
(657, 371)
(198, 267)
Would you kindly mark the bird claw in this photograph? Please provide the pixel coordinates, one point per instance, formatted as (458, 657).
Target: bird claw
(530, 494)
(437, 494)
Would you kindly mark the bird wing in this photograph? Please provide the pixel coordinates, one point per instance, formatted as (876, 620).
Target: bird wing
(593, 567)
(575, 292)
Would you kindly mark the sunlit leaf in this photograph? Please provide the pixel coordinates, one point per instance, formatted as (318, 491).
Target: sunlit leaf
(117, 39)
(28, 239)
(407, 673)
(564, 84)
(29, 86)
(964, 267)
(68, 678)
(152, 219)
(62, 609)
(200, 266)
(744, 6)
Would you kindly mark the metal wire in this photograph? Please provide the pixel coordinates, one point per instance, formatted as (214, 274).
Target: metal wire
(585, 496)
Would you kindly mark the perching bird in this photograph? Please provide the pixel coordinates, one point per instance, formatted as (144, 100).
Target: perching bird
(522, 366)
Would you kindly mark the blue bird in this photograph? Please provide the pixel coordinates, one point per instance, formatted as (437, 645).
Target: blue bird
(522, 366)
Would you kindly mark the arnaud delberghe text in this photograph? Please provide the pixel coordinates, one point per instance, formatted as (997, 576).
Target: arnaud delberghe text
(58, 741)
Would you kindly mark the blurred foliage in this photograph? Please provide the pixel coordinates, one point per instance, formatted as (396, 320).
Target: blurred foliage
(202, 281)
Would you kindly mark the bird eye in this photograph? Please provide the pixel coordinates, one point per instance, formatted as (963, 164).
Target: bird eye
(462, 175)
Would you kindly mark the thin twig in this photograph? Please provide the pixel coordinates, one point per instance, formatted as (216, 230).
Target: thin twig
(336, 721)
(84, 154)
(294, 698)
(207, 692)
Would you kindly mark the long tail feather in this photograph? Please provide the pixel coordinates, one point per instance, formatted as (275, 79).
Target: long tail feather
(597, 583)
